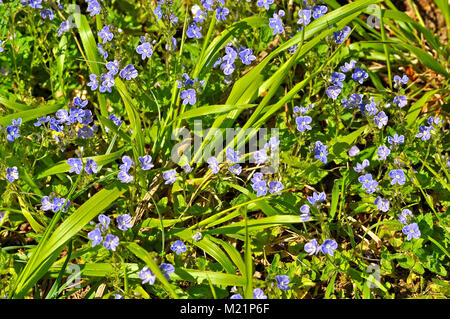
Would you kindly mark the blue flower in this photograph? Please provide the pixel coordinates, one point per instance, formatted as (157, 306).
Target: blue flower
(275, 187)
(91, 166)
(236, 169)
(111, 242)
(424, 132)
(79, 102)
(303, 123)
(230, 54)
(232, 156)
(197, 236)
(264, 3)
(124, 222)
(337, 78)
(12, 132)
(147, 276)
(166, 269)
(381, 119)
(178, 247)
(170, 176)
(312, 247)
(145, 49)
(237, 296)
(93, 84)
(246, 56)
(257, 177)
(348, 66)
(319, 11)
(75, 165)
(64, 27)
(197, 14)
(128, 72)
(317, 198)
(47, 13)
(113, 67)
(398, 81)
(194, 32)
(383, 152)
(258, 293)
(96, 237)
(57, 204)
(260, 156)
(411, 231)
(397, 176)
(127, 163)
(304, 216)
(370, 185)
(333, 92)
(321, 152)
(213, 165)
(35, 4)
(329, 246)
(94, 8)
(275, 23)
(101, 51)
(282, 282)
(396, 139)
(260, 187)
(158, 13)
(272, 144)
(360, 75)
(400, 100)
(353, 151)
(46, 204)
(228, 68)
(105, 34)
(146, 162)
(404, 216)
(360, 167)
(341, 35)
(12, 174)
(75, 114)
(304, 17)
(188, 96)
(221, 13)
(382, 204)
(124, 177)
(104, 222)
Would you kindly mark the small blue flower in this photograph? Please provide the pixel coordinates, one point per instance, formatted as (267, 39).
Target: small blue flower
(64, 27)
(359, 168)
(260, 187)
(405, 215)
(275, 187)
(400, 100)
(282, 282)
(424, 132)
(124, 222)
(197, 236)
(341, 35)
(146, 162)
(213, 165)
(264, 3)
(411, 231)
(46, 204)
(96, 237)
(360, 75)
(232, 156)
(321, 152)
(353, 151)
(127, 163)
(381, 119)
(304, 17)
(94, 8)
(396, 139)
(194, 31)
(329, 246)
(333, 92)
(272, 144)
(12, 132)
(166, 269)
(75, 165)
(101, 51)
(246, 56)
(188, 96)
(303, 123)
(111, 242)
(124, 177)
(312, 247)
(397, 176)
(12, 174)
(304, 216)
(57, 204)
(348, 66)
(275, 23)
(319, 11)
(236, 169)
(337, 78)
(47, 13)
(236, 296)
(382, 204)
(398, 81)
(147, 276)
(93, 84)
(145, 49)
(383, 152)
(105, 34)
(260, 156)
(221, 13)
(258, 293)
(317, 198)
(91, 166)
(178, 247)
(170, 176)
(128, 72)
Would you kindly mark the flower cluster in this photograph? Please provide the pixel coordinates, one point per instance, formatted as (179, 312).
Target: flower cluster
(110, 241)
(327, 247)
(54, 203)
